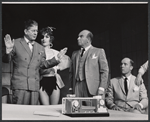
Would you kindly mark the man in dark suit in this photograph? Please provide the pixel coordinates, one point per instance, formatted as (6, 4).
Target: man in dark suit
(123, 94)
(28, 57)
(89, 69)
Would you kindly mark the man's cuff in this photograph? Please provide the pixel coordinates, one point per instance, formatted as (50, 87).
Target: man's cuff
(8, 50)
(112, 106)
(56, 57)
(56, 67)
(141, 105)
(101, 88)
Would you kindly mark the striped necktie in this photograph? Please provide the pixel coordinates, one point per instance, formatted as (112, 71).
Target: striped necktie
(30, 46)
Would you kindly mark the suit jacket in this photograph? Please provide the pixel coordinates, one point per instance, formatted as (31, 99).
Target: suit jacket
(116, 94)
(96, 69)
(26, 64)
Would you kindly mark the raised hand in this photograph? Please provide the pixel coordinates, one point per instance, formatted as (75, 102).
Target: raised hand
(65, 63)
(8, 42)
(62, 53)
(138, 80)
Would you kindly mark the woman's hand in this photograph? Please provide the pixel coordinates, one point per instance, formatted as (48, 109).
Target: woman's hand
(62, 53)
(138, 80)
(65, 63)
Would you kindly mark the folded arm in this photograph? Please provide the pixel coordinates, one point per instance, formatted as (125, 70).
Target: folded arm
(47, 71)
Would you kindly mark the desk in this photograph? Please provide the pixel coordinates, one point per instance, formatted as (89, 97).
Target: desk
(25, 112)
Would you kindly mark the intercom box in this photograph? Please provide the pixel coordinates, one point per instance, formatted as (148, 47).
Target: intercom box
(82, 106)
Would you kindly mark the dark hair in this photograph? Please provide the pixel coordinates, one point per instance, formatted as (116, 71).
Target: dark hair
(90, 36)
(48, 31)
(29, 23)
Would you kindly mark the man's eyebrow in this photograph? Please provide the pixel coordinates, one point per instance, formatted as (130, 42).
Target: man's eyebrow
(80, 35)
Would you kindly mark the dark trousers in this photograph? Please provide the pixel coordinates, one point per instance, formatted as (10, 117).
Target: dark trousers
(81, 90)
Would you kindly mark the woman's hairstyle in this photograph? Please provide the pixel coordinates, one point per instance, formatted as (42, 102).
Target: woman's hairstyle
(29, 23)
(49, 31)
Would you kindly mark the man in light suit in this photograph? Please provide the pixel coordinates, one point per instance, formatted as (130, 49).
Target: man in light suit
(89, 70)
(28, 57)
(123, 94)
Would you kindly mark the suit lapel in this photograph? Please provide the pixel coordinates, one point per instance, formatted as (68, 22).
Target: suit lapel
(77, 61)
(89, 52)
(121, 83)
(25, 45)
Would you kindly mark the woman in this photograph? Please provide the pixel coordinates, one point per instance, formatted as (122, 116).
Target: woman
(51, 82)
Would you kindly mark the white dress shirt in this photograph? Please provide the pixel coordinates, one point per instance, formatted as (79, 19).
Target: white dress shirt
(128, 80)
(29, 43)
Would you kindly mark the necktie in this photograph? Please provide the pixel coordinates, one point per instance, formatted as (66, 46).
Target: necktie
(30, 46)
(82, 52)
(126, 85)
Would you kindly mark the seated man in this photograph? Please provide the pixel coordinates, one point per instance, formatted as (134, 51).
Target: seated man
(122, 93)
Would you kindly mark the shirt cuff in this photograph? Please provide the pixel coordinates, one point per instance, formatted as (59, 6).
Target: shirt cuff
(56, 67)
(56, 57)
(112, 106)
(8, 50)
(101, 88)
(141, 105)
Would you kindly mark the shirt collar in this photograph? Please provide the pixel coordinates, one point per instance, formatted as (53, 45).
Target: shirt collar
(28, 41)
(127, 77)
(87, 47)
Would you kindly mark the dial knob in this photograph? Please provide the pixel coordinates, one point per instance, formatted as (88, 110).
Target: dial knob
(75, 103)
(101, 102)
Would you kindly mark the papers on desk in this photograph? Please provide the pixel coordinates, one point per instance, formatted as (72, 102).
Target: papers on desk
(47, 113)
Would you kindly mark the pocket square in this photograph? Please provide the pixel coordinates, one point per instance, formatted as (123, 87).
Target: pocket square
(94, 57)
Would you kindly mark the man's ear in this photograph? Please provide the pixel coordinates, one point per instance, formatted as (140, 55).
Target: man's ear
(25, 31)
(131, 67)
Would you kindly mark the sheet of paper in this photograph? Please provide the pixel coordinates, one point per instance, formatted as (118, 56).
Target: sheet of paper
(47, 113)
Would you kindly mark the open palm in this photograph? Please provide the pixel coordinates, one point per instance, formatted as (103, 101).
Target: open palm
(8, 42)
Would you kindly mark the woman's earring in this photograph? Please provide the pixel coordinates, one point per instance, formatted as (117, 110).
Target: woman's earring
(51, 45)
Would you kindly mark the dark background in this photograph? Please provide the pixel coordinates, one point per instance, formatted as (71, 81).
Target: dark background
(120, 29)
(70, 19)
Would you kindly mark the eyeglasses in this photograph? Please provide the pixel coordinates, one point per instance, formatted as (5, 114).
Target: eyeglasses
(33, 31)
